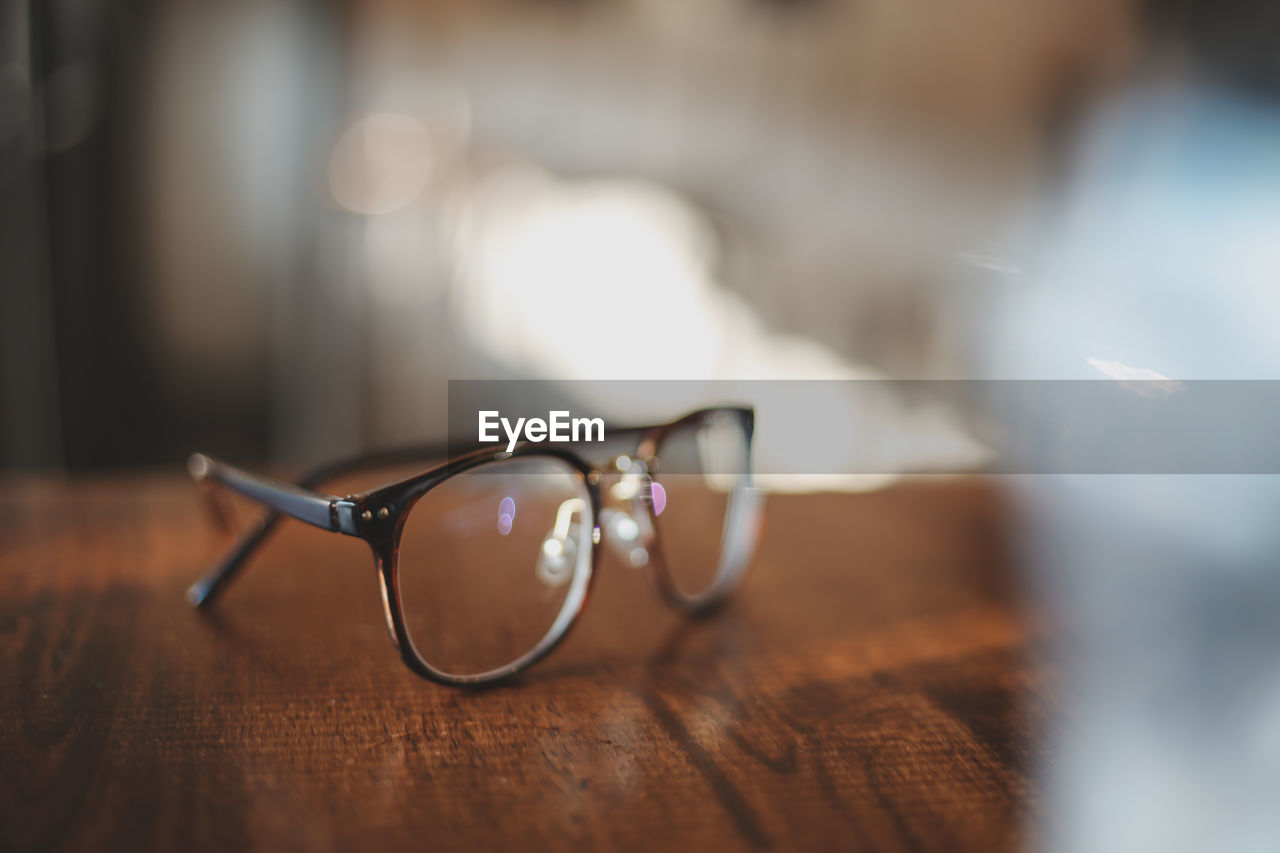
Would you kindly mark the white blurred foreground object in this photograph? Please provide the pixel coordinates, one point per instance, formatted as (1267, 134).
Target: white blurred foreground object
(1162, 262)
(613, 280)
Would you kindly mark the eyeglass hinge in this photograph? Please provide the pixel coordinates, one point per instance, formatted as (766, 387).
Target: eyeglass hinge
(342, 516)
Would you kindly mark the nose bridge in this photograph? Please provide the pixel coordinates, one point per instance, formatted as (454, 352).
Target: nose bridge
(624, 518)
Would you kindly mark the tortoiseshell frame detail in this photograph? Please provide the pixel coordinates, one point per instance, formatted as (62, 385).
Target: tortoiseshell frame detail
(648, 452)
(378, 515)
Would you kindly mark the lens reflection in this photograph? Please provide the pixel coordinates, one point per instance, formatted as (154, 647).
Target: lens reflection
(506, 515)
(478, 595)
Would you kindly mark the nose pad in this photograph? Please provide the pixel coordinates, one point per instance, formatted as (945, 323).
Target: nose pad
(625, 537)
(556, 560)
(563, 545)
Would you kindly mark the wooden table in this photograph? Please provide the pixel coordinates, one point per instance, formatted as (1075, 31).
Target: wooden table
(870, 688)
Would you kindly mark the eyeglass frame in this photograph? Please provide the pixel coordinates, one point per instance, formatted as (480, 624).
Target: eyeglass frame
(377, 516)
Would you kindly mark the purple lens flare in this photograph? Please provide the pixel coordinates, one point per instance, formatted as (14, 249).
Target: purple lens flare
(506, 515)
(659, 497)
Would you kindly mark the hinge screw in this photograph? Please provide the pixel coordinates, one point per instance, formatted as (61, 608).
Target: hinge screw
(384, 512)
(366, 515)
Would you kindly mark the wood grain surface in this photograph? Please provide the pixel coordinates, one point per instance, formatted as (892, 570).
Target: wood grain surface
(871, 688)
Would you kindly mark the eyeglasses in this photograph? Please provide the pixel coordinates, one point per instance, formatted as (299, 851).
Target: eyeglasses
(485, 562)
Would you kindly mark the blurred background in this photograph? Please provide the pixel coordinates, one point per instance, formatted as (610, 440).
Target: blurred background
(274, 229)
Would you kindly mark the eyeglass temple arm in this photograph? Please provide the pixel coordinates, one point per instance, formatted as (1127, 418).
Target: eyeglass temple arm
(327, 512)
(210, 472)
